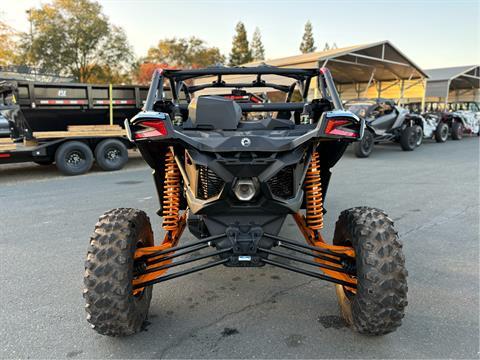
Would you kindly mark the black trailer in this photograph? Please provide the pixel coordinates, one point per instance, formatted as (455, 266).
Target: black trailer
(70, 124)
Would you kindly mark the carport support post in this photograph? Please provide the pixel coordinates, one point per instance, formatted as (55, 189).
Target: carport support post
(379, 89)
(369, 83)
(447, 94)
(424, 93)
(402, 91)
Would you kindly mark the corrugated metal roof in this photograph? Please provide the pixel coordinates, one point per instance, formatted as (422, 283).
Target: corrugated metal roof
(448, 72)
(355, 63)
(312, 57)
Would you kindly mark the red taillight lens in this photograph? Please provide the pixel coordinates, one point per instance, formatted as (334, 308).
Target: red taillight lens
(338, 127)
(152, 129)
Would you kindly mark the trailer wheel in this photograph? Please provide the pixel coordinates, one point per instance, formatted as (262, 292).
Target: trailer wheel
(441, 132)
(378, 306)
(111, 154)
(112, 307)
(73, 158)
(457, 130)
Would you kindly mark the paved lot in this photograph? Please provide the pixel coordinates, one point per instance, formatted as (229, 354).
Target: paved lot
(432, 194)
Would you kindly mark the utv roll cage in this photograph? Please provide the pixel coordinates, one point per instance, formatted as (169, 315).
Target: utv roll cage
(303, 78)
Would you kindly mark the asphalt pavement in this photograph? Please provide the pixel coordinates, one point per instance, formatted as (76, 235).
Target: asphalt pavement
(432, 194)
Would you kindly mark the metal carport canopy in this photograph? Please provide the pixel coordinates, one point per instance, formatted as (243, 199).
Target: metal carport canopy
(354, 69)
(356, 64)
(442, 80)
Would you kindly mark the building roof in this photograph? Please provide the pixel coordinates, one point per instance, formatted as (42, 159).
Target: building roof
(442, 80)
(355, 64)
(449, 73)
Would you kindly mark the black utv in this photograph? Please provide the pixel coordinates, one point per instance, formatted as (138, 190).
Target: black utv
(385, 121)
(231, 172)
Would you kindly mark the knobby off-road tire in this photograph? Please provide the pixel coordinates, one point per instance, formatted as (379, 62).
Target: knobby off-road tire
(457, 130)
(364, 147)
(379, 304)
(408, 139)
(441, 132)
(112, 308)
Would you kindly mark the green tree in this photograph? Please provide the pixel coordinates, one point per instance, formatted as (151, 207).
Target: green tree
(241, 52)
(8, 45)
(258, 51)
(326, 47)
(186, 53)
(308, 43)
(74, 38)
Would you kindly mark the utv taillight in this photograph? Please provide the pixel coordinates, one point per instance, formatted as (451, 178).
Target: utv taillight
(342, 127)
(151, 129)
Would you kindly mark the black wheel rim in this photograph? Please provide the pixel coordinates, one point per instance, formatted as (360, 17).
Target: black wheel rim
(367, 143)
(444, 132)
(112, 154)
(412, 140)
(419, 136)
(75, 159)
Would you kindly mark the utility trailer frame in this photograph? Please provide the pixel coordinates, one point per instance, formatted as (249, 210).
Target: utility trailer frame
(69, 124)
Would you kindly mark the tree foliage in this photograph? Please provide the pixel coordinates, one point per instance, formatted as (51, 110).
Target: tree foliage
(145, 70)
(258, 51)
(186, 53)
(241, 52)
(74, 38)
(308, 43)
(8, 45)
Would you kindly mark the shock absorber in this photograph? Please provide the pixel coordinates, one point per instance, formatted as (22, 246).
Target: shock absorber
(171, 197)
(314, 196)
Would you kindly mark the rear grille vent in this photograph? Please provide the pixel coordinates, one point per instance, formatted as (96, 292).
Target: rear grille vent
(281, 185)
(209, 184)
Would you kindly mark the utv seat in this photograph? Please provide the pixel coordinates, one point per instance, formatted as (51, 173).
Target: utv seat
(213, 112)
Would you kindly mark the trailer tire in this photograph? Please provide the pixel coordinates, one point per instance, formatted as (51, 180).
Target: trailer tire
(112, 308)
(441, 132)
(408, 139)
(111, 154)
(457, 130)
(74, 158)
(378, 306)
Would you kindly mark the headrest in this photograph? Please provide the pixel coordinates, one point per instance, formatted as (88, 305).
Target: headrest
(214, 112)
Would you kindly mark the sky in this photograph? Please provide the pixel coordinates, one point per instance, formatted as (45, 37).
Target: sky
(430, 33)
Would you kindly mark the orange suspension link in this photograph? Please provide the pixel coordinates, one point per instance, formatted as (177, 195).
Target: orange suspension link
(314, 197)
(171, 199)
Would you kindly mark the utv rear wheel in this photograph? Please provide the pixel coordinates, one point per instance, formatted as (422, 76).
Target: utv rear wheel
(111, 154)
(364, 147)
(379, 304)
(441, 132)
(112, 308)
(408, 139)
(457, 130)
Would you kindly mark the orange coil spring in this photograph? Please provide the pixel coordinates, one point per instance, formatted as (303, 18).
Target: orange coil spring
(314, 197)
(171, 193)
